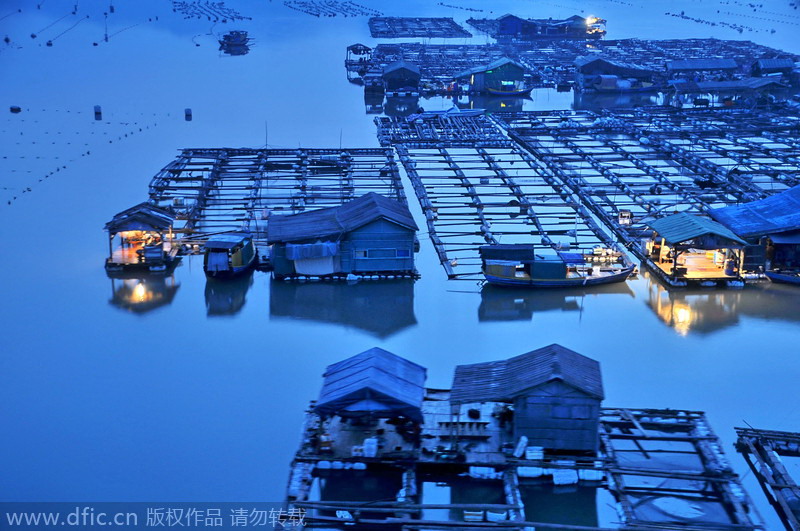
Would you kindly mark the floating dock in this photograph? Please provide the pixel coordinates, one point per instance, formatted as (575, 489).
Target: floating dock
(582, 180)
(426, 28)
(552, 62)
(212, 191)
(509, 438)
(763, 449)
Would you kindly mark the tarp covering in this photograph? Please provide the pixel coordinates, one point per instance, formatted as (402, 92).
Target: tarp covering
(786, 238)
(311, 250)
(217, 261)
(508, 252)
(315, 267)
(572, 258)
(226, 241)
(683, 227)
(498, 381)
(777, 213)
(336, 221)
(374, 382)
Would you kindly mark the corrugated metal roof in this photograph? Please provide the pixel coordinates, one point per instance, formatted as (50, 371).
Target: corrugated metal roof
(375, 381)
(336, 221)
(588, 59)
(778, 213)
(141, 216)
(689, 65)
(683, 227)
(504, 380)
(776, 64)
(401, 65)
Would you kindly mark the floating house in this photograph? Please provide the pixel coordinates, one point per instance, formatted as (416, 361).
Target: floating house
(773, 67)
(143, 235)
(372, 385)
(574, 27)
(690, 248)
(555, 394)
(503, 76)
(606, 75)
(771, 227)
(370, 235)
(401, 77)
(229, 255)
(510, 437)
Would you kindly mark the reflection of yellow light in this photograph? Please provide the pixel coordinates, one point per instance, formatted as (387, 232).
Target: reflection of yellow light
(139, 292)
(682, 318)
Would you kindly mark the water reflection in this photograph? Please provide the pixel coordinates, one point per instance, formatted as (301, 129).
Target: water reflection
(598, 101)
(509, 304)
(493, 103)
(574, 505)
(144, 294)
(381, 308)
(401, 105)
(704, 312)
(227, 297)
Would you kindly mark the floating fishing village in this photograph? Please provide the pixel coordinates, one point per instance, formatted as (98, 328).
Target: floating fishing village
(528, 170)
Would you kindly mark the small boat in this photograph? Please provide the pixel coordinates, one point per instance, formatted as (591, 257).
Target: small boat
(525, 266)
(784, 277)
(517, 89)
(229, 255)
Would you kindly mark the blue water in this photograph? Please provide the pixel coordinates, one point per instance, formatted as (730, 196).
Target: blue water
(101, 403)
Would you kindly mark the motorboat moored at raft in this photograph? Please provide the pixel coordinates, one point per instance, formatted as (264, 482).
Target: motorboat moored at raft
(228, 255)
(784, 277)
(523, 265)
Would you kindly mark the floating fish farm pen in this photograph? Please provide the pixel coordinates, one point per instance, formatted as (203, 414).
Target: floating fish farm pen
(207, 192)
(763, 449)
(631, 168)
(427, 28)
(476, 187)
(523, 433)
(552, 62)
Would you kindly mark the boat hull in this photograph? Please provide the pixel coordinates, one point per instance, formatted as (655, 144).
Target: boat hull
(519, 92)
(560, 283)
(783, 278)
(232, 272)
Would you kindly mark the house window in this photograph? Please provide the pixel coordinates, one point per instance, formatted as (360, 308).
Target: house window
(403, 253)
(360, 254)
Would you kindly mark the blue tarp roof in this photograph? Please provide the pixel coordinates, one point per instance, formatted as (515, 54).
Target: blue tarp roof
(498, 381)
(336, 221)
(374, 382)
(682, 227)
(775, 214)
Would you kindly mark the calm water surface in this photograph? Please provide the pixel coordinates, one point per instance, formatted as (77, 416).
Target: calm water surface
(200, 397)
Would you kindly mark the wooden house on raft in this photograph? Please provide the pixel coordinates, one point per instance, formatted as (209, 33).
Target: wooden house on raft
(555, 394)
(143, 236)
(368, 236)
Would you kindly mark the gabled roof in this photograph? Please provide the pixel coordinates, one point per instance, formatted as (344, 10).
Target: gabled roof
(775, 214)
(683, 227)
(499, 381)
(692, 65)
(588, 59)
(143, 216)
(497, 63)
(401, 65)
(335, 221)
(777, 64)
(373, 382)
